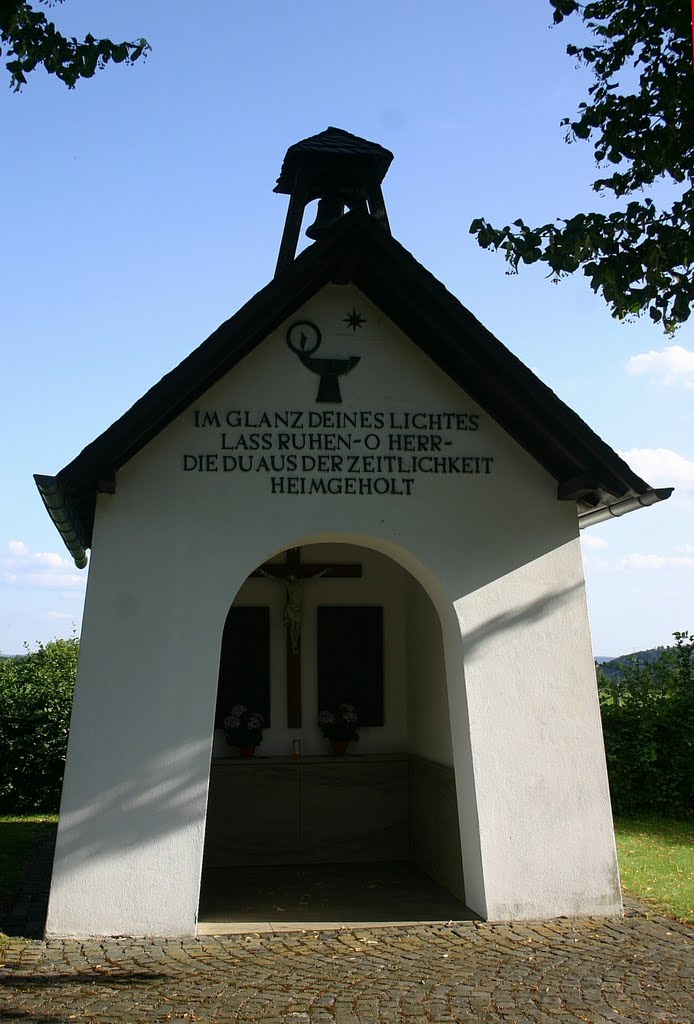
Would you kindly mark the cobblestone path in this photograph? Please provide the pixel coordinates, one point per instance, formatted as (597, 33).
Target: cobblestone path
(569, 971)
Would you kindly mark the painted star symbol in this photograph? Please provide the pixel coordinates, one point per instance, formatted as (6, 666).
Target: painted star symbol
(354, 320)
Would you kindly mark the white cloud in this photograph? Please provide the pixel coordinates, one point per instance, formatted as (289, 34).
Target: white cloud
(51, 560)
(592, 541)
(57, 616)
(639, 561)
(662, 467)
(43, 570)
(51, 580)
(673, 365)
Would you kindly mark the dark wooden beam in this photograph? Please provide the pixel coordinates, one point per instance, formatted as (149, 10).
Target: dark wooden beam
(579, 487)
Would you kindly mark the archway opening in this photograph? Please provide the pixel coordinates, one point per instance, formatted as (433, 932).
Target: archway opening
(296, 834)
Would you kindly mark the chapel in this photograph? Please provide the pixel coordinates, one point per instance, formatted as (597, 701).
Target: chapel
(350, 510)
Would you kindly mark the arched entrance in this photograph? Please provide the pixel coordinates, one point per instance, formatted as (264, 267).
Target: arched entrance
(296, 833)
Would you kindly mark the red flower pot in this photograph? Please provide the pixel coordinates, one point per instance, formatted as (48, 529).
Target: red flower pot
(340, 746)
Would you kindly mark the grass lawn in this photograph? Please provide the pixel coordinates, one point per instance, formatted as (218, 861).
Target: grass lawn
(656, 862)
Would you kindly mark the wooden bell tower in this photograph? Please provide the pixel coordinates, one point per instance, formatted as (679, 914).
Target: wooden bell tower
(340, 170)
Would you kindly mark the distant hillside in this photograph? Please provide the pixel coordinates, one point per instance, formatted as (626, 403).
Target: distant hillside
(612, 667)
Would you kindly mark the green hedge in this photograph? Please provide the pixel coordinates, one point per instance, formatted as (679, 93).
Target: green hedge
(647, 715)
(648, 723)
(35, 703)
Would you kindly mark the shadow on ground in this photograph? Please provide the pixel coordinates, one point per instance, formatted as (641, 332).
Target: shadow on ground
(70, 978)
(23, 913)
(322, 895)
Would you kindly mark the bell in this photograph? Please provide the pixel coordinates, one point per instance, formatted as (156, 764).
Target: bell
(330, 209)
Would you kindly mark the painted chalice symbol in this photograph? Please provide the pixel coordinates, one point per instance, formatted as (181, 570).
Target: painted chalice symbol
(304, 338)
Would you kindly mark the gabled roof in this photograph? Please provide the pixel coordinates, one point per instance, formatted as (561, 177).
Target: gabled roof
(357, 250)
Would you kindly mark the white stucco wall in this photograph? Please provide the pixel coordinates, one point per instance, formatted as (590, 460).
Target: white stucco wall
(541, 785)
(428, 717)
(495, 551)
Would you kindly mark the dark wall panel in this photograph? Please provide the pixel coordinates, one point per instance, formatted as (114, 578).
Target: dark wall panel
(244, 664)
(350, 660)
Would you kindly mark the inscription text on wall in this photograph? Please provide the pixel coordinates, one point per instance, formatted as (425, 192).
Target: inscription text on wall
(332, 451)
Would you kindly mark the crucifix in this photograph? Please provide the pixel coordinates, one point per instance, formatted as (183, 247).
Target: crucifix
(292, 574)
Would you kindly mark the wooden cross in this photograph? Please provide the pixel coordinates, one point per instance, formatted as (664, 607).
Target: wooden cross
(293, 569)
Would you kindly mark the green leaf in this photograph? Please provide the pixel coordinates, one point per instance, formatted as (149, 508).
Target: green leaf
(640, 116)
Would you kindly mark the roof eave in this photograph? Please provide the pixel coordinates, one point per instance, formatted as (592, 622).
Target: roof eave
(62, 514)
(619, 508)
(357, 250)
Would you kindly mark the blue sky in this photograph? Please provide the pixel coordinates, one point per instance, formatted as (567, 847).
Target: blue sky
(139, 215)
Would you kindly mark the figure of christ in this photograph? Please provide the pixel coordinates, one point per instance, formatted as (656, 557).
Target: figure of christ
(291, 574)
(294, 608)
